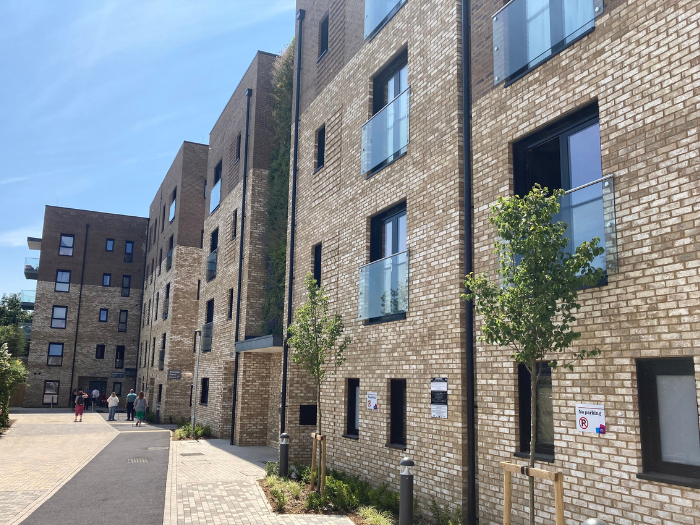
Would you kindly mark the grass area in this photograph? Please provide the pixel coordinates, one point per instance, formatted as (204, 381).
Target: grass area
(184, 431)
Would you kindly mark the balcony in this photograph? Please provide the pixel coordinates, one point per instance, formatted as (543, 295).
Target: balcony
(528, 32)
(26, 330)
(169, 260)
(26, 299)
(211, 265)
(385, 135)
(215, 197)
(31, 268)
(207, 330)
(384, 287)
(378, 13)
(589, 211)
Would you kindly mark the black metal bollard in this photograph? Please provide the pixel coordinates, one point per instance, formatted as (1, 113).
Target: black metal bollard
(284, 455)
(406, 493)
(594, 521)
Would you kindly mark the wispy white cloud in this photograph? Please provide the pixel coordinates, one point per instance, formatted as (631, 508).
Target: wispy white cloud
(13, 179)
(18, 237)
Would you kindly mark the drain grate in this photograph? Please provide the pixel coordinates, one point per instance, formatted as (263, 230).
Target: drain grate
(138, 460)
(158, 448)
(191, 454)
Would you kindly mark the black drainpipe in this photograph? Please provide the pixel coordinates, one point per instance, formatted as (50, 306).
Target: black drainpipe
(295, 167)
(468, 259)
(77, 320)
(248, 94)
(143, 299)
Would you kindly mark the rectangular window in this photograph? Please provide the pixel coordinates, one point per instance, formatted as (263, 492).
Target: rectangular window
(234, 224)
(210, 311)
(230, 303)
(100, 352)
(320, 147)
(129, 251)
(110, 245)
(126, 285)
(205, 190)
(155, 313)
(58, 317)
(204, 396)
(238, 147)
(162, 221)
(123, 316)
(317, 264)
(153, 352)
(545, 414)
(353, 404)
(201, 240)
(160, 260)
(323, 37)
(166, 302)
(307, 414)
(172, 206)
(51, 392)
(160, 393)
(397, 427)
(668, 411)
(117, 388)
(62, 281)
(104, 312)
(213, 254)
(215, 196)
(55, 357)
(119, 357)
(66, 246)
(106, 279)
(169, 256)
(199, 286)
(567, 155)
(155, 228)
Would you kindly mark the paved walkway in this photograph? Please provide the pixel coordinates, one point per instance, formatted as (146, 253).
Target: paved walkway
(40, 453)
(210, 481)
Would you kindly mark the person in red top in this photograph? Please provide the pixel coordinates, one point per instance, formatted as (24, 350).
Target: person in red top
(80, 405)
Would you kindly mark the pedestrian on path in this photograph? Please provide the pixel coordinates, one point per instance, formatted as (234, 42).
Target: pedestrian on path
(140, 406)
(130, 398)
(113, 403)
(95, 397)
(79, 405)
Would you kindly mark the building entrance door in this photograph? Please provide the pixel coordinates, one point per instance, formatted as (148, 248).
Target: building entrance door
(99, 385)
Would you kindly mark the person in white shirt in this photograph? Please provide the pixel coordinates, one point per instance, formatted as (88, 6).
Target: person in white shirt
(112, 403)
(95, 397)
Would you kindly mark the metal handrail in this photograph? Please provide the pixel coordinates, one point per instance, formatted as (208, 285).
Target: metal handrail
(387, 105)
(607, 177)
(385, 258)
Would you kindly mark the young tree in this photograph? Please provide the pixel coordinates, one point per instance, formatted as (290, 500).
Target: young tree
(14, 338)
(530, 308)
(12, 373)
(11, 312)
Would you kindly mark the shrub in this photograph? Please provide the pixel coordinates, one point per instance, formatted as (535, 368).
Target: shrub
(185, 431)
(272, 468)
(443, 516)
(340, 494)
(375, 517)
(279, 498)
(151, 417)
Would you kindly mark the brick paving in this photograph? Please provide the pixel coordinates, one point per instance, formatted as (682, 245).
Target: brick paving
(41, 452)
(211, 481)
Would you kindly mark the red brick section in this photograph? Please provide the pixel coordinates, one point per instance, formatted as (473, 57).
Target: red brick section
(91, 332)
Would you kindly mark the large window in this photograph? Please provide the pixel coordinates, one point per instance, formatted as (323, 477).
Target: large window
(567, 155)
(66, 246)
(58, 316)
(353, 408)
(123, 317)
(397, 423)
(62, 281)
(51, 392)
(204, 394)
(323, 37)
(119, 357)
(129, 251)
(55, 357)
(668, 410)
(545, 413)
(126, 285)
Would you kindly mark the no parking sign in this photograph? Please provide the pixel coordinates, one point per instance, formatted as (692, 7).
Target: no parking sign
(590, 418)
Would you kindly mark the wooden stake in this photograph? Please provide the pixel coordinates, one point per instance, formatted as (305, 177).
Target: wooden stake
(556, 477)
(323, 465)
(313, 461)
(507, 495)
(559, 498)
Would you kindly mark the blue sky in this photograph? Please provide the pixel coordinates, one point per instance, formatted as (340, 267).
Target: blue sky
(96, 98)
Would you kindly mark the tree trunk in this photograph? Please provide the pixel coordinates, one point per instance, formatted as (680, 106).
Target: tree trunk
(534, 376)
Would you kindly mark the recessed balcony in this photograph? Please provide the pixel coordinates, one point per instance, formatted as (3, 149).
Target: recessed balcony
(31, 268)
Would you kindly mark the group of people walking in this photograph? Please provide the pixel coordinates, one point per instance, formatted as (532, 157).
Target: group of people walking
(135, 406)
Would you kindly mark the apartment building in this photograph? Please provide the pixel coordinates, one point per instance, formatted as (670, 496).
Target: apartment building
(235, 352)
(171, 291)
(600, 99)
(378, 219)
(85, 329)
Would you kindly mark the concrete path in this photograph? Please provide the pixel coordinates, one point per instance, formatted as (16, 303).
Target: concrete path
(210, 481)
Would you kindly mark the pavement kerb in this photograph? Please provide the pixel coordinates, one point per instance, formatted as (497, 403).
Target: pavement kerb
(170, 488)
(39, 501)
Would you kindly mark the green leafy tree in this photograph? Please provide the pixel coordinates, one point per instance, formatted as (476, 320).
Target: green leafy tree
(10, 311)
(530, 308)
(12, 373)
(278, 194)
(13, 337)
(316, 339)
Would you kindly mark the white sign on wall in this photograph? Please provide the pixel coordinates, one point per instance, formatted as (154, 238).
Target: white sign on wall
(438, 397)
(372, 400)
(590, 418)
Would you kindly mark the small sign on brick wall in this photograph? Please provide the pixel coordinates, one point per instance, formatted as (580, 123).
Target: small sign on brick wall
(438, 397)
(174, 374)
(590, 418)
(372, 400)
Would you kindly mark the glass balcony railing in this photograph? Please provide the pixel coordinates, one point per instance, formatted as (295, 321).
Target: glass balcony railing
(26, 299)
(211, 265)
(31, 268)
(215, 197)
(378, 13)
(527, 32)
(26, 330)
(207, 330)
(169, 261)
(384, 287)
(589, 211)
(385, 135)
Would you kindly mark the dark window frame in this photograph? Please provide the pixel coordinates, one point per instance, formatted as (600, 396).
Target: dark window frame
(57, 282)
(230, 304)
(398, 425)
(323, 32)
(107, 249)
(49, 356)
(160, 393)
(61, 247)
(353, 408)
(119, 361)
(204, 391)
(320, 157)
(114, 387)
(173, 206)
(58, 390)
(106, 319)
(234, 224)
(318, 258)
(542, 450)
(109, 280)
(238, 149)
(100, 351)
(125, 322)
(308, 415)
(128, 255)
(126, 290)
(53, 317)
